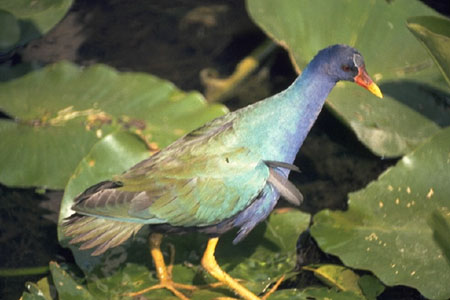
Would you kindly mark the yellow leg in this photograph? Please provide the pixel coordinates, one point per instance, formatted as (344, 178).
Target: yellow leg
(273, 289)
(163, 273)
(210, 264)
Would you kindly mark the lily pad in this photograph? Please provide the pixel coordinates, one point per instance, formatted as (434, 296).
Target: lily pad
(346, 280)
(67, 287)
(268, 253)
(314, 293)
(376, 28)
(385, 229)
(371, 286)
(439, 222)
(32, 19)
(342, 278)
(434, 33)
(8, 73)
(58, 113)
(9, 31)
(38, 291)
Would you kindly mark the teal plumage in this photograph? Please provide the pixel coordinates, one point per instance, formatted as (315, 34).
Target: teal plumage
(228, 173)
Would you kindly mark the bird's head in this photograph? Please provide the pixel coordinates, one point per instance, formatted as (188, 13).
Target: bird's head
(346, 63)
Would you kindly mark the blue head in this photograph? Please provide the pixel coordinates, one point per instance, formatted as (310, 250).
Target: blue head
(342, 62)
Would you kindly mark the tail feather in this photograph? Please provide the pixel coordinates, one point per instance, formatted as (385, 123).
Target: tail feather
(77, 219)
(115, 241)
(102, 236)
(82, 233)
(98, 232)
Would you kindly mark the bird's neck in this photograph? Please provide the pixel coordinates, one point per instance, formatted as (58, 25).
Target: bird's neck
(279, 125)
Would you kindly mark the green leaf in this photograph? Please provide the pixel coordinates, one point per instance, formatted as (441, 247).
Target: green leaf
(9, 31)
(67, 287)
(439, 222)
(59, 112)
(37, 291)
(345, 280)
(209, 294)
(385, 228)
(33, 19)
(8, 73)
(267, 253)
(390, 128)
(314, 293)
(131, 277)
(370, 286)
(339, 277)
(434, 33)
(377, 29)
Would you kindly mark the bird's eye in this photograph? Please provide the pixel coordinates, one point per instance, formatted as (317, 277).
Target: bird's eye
(346, 68)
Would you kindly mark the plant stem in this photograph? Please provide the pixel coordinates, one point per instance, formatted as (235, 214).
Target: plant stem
(23, 271)
(218, 89)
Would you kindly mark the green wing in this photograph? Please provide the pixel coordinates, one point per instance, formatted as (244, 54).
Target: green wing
(201, 179)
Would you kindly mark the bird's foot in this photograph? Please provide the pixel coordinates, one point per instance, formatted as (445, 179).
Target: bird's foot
(266, 295)
(273, 288)
(209, 263)
(168, 284)
(163, 273)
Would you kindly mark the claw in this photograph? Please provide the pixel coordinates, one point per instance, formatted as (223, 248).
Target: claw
(273, 288)
(163, 273)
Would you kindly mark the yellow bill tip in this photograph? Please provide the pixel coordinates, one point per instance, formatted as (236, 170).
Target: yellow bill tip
(374, 89)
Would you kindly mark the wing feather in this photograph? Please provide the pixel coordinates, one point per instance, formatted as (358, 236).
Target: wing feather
(93, 231)
(278, 164)
(287, 190)
(199, 180)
